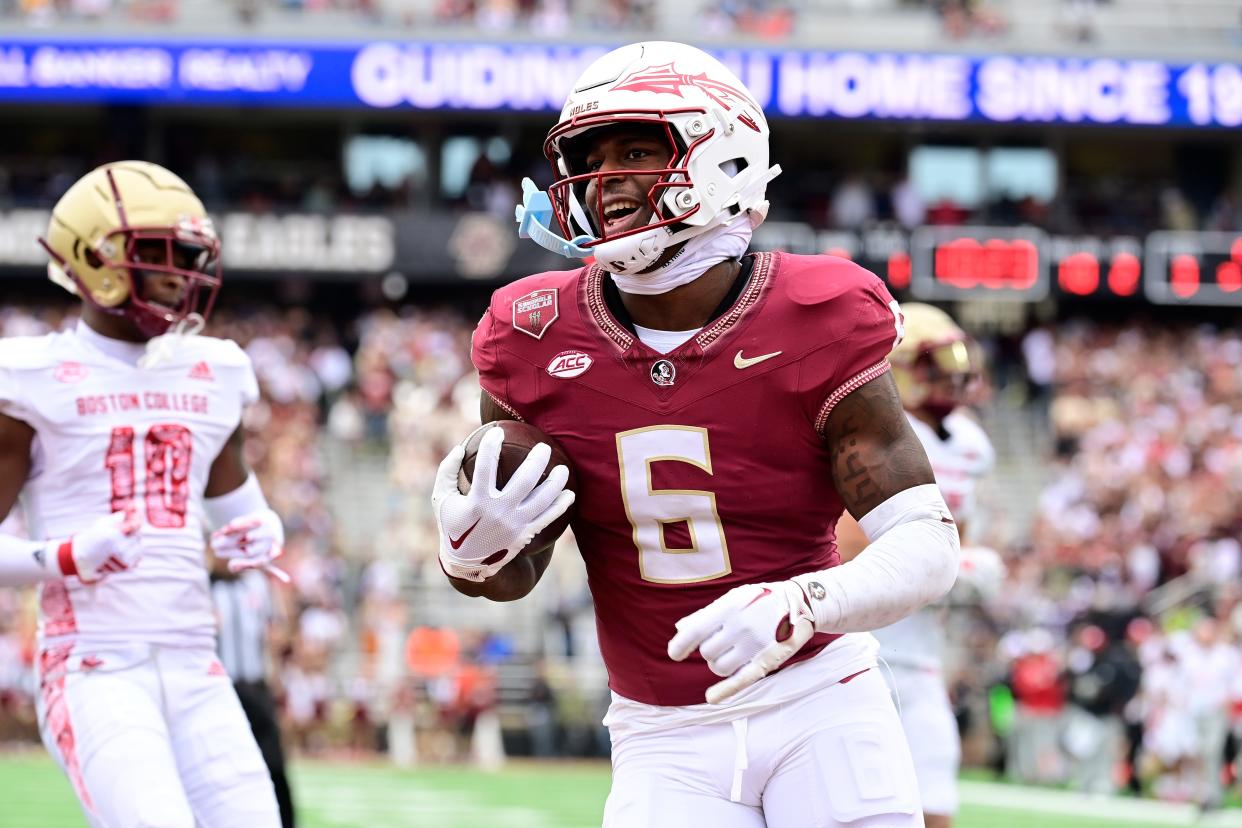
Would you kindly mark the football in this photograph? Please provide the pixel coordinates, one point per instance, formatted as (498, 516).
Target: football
(520, 438)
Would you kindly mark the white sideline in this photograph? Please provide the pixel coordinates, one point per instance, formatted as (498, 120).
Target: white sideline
(1070, 803)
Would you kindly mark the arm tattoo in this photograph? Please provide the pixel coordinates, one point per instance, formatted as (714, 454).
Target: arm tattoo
(875, 454)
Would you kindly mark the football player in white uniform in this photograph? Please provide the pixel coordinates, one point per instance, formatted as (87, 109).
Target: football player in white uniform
(120, 436)
(933, 367)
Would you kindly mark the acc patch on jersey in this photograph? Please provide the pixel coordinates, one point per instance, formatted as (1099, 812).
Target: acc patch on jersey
(569, 364)
(535, 312)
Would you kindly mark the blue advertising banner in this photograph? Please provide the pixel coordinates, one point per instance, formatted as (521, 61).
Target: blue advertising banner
(524, 77)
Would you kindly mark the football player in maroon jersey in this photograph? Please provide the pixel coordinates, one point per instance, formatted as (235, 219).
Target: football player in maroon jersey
(721, 410)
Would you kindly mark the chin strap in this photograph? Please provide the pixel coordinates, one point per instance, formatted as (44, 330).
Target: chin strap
(631, 256)
(696, 257)
(161, 347)
(534, 218)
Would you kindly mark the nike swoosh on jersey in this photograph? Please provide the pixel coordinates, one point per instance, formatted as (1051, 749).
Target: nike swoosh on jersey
(456, 544)
(740, 361)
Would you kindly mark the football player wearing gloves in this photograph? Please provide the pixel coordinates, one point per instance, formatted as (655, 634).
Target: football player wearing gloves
(119, 435)
(251, 535)
(481, 531)
(745, 688)
(753, 630)
(108, 545)
(935, 366)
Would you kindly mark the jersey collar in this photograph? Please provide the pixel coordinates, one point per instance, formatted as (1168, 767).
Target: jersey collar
(120, 350)
(609, 313)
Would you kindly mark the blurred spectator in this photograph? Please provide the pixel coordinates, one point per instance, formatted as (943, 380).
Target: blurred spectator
(1080, 19)
(767, 19)
(1211, 668)
(1039, 699)
(541, 713)
(853, 203)
(962, 18)
(244, 613)
(1102, 677)
(1176, 211)
(908, 206)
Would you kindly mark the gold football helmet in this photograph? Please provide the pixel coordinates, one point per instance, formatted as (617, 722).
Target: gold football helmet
(935, 362)
(101, 222)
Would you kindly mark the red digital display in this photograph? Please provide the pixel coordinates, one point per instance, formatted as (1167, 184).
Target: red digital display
(983, 262)
(899, 270)
(1229, 275)
(1193, 268)
(1079, 274)
(1097, 273)
(993, 263)
(1123, 274)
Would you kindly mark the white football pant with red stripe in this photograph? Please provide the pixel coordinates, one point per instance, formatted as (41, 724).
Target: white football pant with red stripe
(153, 737)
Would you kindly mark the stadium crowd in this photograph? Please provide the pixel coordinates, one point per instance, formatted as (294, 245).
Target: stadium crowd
(1110, 658)
(544, 17)
(1114, 645)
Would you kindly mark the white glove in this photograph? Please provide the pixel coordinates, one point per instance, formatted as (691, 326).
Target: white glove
(745, 634)
(252, 541)
(980, 568)
(110, 544)
(482, 531)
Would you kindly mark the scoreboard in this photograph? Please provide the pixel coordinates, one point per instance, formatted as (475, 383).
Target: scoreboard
(1193, 268)
(976, 262)
(1025, 264)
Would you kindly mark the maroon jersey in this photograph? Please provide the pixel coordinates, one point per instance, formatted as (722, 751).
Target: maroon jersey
(699, 470)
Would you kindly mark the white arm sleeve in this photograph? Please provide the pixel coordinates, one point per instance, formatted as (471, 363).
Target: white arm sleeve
(25, 562)
(244, 500)
(911, 561)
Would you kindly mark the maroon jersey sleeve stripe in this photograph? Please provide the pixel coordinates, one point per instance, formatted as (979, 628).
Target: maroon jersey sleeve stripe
(850, 385)
(510, 410)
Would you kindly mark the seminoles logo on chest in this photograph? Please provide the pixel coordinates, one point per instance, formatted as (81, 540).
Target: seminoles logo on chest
(535, 312)
(666, 79)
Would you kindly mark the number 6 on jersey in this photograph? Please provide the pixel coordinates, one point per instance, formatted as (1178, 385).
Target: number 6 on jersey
(650, 510)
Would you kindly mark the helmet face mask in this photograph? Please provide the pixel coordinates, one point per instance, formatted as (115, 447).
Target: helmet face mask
(578, 214)
(98, 254)
(935, 364)
(945, 374)
(183, 254)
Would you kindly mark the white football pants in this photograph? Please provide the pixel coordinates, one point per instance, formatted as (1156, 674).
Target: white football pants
(153, 737)
(931, 728)
(836, 758)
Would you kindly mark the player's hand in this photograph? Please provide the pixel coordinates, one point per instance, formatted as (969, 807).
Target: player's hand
(110, 544)
(252, 541)
(982, 570)
(745, 634)
(483, 530)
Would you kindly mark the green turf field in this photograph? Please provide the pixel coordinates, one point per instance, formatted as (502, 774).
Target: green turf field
(33, 794)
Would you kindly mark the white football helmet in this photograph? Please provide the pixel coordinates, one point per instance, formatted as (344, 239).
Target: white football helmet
(719, 168)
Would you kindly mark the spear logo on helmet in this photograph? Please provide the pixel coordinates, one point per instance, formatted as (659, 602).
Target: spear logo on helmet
(665, 78)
